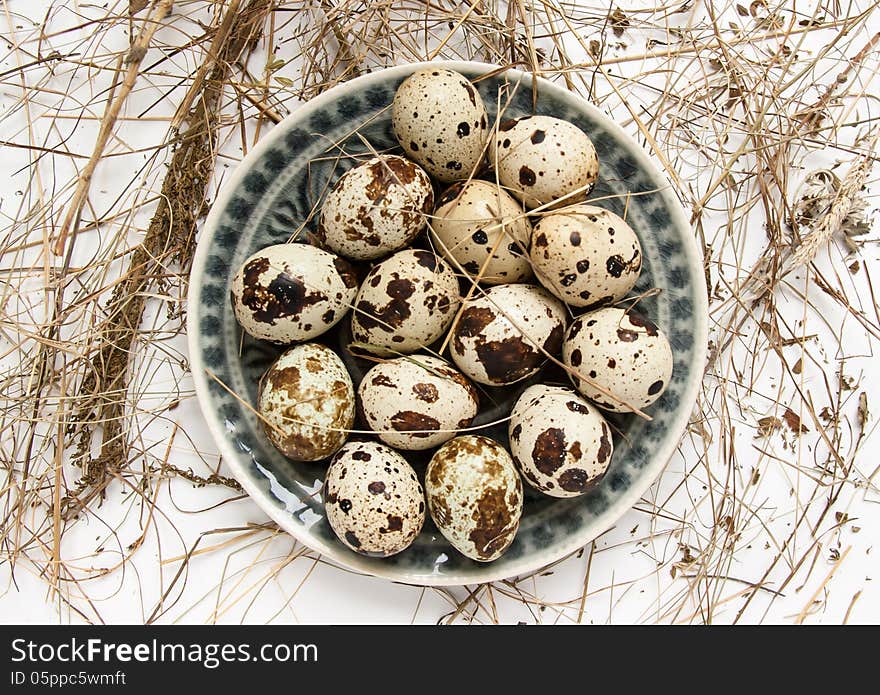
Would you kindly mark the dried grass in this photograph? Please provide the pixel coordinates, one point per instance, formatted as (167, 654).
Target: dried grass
(751, 110)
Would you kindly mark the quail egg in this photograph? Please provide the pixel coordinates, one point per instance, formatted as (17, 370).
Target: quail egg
(440, 122)
(290, 293)
(416, 402)
(505, 335)
(376, 208)
(586, 255)
(622, 352)
(541, 159)
(306, 402)
(373, 499)
(561, 444)
(475, 496)
(473, 218)
(405, 303)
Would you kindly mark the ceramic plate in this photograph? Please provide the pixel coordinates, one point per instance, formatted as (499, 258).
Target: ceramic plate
(275, 191)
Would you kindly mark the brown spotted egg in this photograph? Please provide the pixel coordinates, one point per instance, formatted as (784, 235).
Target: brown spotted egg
(473, 218)
(475, 496)
(540, 159)
(622, 352)
(504, 335)
(586, 255)
(306, 402)
(290, 293)
(561, 444)
(440, 122)
(373, 499)
(376, 208)
(416, 402)
(405, 303)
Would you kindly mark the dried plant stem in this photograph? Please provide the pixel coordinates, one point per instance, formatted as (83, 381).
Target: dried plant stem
(853, 184)
(809, 604)
(135, 55)
(169, 236)
(813, 115)
(215, 53)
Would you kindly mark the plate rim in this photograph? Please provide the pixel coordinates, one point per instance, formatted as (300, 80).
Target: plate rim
(340, 555)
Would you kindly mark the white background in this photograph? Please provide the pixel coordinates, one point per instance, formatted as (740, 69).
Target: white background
(637, 572)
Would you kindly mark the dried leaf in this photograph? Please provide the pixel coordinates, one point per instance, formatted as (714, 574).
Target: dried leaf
(135, 6)
(733, 96)
(815, 197)
(793, 420)
(863, 409)
(767, 425)
(619, 21)
(686, 556)
(798, 366)
(771, 332)
(276, 64)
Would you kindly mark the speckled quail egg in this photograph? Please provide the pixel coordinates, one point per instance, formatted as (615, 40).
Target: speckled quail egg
(306, 402)
(475, 496)
(405, 303)
(373, 499)
(290, 293)
(376, 208)
(469, 219)
(560, 442)
(416, 402)
(503, 336)
(586, 255)
(622, 352)
(440, 122)
(540, 159)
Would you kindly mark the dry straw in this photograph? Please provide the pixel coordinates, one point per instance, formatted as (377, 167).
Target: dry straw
(751, 110)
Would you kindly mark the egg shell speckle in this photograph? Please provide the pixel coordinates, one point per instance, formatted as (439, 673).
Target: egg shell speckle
(307, 402)
(624, 352)
(290, 293)
(440, 121)
(586, 255)
(475, 496)
(499, 336)
(561, 444)
(416, 403)
(376, 208)
(540, 159)
(470, 217)
(373, 499)
(405, 303)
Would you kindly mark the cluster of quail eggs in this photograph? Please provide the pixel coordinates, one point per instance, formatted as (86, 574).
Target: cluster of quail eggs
(512, 253)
